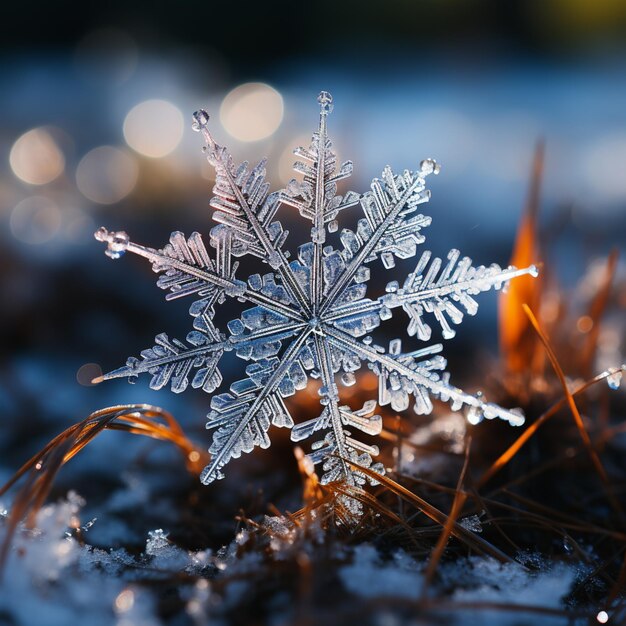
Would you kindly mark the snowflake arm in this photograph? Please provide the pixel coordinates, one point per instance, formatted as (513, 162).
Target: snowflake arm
(316, 197)
(401, 375)
(242, 204)
(184, 275)
(242, 418)
(338, 448)
(318, 232)
(433, 290)
(170, 361)
(386, 229)
(437, 290)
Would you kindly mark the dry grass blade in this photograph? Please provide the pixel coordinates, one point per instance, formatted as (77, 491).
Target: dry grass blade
(595, 459)
(517, 445)
(568, 394)
(368, 500)
(562, 519)
(297, 517)
(42, 468)
(462, 534)
(457, 506)
(596, 310)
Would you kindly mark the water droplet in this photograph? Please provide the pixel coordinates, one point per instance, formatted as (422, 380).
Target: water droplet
(430, 166)
(101, 234)
(200, 120)
(474, 415)
(326, 102)
(348, 379)
(614, 379)
(118, 242)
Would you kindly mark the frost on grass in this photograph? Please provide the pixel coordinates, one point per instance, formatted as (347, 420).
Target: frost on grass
(309, 317)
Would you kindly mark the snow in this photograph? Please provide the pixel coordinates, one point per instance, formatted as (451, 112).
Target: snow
(53, 580)
(368, 576)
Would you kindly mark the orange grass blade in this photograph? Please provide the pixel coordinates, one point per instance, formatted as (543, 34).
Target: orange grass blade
(598, 305)
(568, 394)
(311, 490)
(457, 506)
(516, 343)
(42, 468)
(563, 520)
(517, 445)
(595, 459)
(464, 535)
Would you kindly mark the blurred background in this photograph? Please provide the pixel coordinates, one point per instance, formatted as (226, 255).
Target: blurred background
(95, 111)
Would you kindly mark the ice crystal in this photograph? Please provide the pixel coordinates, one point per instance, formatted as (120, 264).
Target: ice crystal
(310, 317)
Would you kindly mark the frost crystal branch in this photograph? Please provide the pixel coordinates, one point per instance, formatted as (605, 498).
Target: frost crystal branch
(310, 318)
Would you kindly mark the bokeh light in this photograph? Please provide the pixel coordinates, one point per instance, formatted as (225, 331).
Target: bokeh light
(35, 220)
(87, 372)
(35, 157)
(154, 128)
(106, 174)
(252, 111)
(124, 601)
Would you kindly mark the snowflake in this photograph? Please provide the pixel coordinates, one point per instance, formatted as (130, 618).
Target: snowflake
(310, 317)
